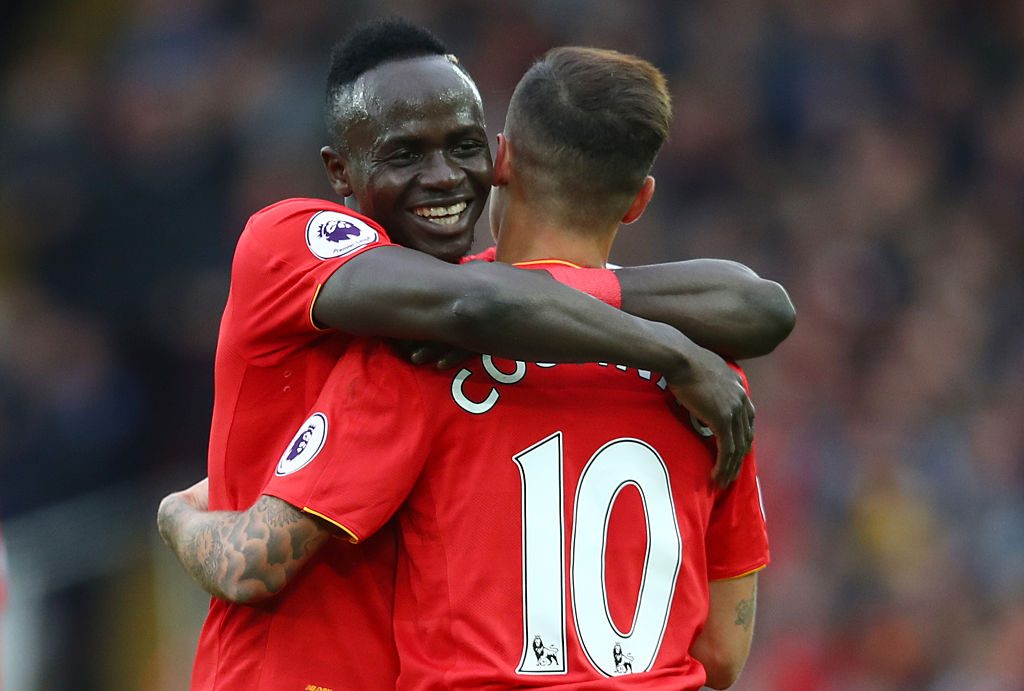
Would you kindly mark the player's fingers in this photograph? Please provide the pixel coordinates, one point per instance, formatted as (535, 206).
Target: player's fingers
(741, 435)
(406, 348)
(428, 352)
(726, 448)
(420, 355)
(724, 473)
(746, 429)
(740, 430)
(747, 415)
(453, 358)
(751, 411)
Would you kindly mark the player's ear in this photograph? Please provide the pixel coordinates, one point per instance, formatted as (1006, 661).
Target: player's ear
(502, 163)
(640, 202)
(336, 167)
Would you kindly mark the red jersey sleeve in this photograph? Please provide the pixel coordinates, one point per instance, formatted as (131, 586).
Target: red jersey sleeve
(359, 454)
(602, 284)
(736, 541)
(737, 538)
(285, 254)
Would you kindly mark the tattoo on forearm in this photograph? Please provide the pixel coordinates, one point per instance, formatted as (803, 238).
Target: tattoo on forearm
(211, 550)
(746, 609)
(254, 551)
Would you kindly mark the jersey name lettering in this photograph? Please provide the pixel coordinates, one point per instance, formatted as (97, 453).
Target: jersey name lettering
(498, 377)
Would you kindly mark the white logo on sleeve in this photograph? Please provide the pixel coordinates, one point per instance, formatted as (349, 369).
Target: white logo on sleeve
(330, 234)
(305, 445)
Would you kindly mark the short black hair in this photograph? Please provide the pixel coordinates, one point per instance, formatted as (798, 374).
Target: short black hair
(587, 124)
(376, 42)
(596, 101)
(369, 45)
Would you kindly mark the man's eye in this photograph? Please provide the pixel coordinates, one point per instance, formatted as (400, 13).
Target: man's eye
(468, 148)
(404, 156)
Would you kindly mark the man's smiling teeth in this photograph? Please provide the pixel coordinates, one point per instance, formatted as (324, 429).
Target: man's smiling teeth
(442, 215)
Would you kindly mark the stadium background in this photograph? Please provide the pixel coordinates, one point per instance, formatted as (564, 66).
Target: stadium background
(867, 154)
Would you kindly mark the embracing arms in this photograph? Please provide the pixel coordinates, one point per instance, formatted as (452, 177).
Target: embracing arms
(248, 556)
(493, 308)
(722, 305)
(488, 307)
(239, 556)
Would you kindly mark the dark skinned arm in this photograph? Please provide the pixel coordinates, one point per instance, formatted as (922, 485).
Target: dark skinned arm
(248, 556)
(492, 308)
(721, 305)
(393, 292)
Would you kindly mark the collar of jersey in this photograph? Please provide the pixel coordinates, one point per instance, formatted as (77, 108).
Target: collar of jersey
(542, 262)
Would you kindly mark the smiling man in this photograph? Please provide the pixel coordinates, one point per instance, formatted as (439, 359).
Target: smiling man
(393, 126)
(559, 524)
(408, 143)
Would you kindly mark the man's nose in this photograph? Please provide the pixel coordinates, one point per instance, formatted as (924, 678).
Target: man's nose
(440, 172)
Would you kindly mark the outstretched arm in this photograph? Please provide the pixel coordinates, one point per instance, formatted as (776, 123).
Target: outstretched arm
(721, 305)
(489, 308)
(724, 644)
(240, 556)
(492, 308)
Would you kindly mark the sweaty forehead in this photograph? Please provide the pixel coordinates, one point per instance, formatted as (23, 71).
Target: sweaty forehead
(408, 88)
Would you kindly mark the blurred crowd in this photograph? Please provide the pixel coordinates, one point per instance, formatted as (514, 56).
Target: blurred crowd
(868, 154)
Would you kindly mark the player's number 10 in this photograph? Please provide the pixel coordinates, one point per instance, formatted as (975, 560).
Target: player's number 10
(615, 465)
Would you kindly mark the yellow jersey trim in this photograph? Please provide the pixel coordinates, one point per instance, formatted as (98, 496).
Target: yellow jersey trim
(743, 575)
(536, 262)
(312, 303)
(352, 537)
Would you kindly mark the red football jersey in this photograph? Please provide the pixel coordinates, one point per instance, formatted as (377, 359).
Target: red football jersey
(602, 283)
(559, 524)
(271, 363)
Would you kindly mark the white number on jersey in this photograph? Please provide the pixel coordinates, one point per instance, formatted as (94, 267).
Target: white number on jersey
(614, 466)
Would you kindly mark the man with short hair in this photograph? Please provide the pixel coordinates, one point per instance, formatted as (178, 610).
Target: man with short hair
(408, 143)
(361, 452)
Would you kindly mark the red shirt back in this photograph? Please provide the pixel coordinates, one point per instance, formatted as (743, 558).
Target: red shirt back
(271, 364)
(559, 524)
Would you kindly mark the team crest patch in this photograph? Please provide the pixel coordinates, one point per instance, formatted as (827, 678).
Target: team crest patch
(304, 446)
(330, 234)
